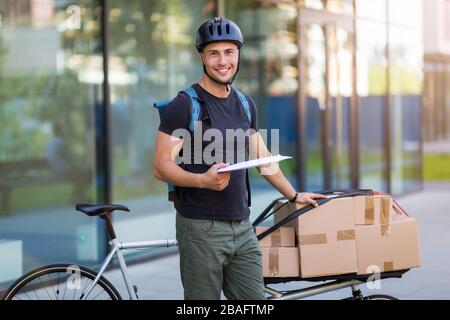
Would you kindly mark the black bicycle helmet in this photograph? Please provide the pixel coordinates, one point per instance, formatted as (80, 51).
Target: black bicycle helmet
(218, 29)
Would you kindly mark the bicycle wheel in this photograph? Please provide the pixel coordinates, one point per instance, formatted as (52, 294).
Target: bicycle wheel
(380, 297)
(375, 297)
(61, 282)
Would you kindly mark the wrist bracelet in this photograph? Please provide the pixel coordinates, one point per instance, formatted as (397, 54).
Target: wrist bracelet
(295, 198)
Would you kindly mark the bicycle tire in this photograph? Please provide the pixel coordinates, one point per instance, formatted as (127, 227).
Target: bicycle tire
(375, 297)
(380, 297)
(19, 287)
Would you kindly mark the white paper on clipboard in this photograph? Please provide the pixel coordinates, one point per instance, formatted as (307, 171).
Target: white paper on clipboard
(253, 163)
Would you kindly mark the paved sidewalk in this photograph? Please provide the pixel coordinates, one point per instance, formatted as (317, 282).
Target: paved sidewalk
(160, 279)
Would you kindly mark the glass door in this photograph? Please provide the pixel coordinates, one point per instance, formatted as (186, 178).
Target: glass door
(326, 99)
(340, 90)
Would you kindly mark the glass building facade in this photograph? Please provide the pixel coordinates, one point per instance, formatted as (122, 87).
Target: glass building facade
(341, 80)
(436, 93)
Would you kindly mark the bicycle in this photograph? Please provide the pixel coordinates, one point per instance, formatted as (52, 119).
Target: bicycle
(53, 282)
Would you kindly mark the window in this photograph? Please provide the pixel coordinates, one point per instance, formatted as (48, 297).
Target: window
(50, 65)
(373, 10)
(372, 91)
(406, 75)
(152, 56)
(269, 74)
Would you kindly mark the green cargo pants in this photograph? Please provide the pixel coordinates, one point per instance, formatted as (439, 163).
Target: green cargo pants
(218, 255)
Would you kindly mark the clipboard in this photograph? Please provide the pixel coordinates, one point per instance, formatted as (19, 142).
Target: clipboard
(253, 163)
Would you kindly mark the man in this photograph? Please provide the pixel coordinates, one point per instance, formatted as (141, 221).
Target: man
(218, 247)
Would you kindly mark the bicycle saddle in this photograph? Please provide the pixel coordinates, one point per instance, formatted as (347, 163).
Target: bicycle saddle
(99, 209)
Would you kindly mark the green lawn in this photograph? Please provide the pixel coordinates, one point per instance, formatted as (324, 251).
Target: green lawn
(436, 167)
(39, 196)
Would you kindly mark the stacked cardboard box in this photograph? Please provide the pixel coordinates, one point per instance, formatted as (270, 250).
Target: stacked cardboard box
(385, 241)
(349, 235)
(325, 236)
(282, 237)
(279, 254)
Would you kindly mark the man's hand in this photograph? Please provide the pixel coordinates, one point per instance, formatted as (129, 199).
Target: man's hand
(214, 180)
(308, 197)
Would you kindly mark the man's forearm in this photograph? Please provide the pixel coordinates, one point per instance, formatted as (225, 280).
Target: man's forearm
(170, 172)
(279, 181)
(272, 172)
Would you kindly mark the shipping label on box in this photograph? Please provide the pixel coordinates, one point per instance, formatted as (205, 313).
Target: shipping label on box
(280, 262)
(385, 248)
(282, 237)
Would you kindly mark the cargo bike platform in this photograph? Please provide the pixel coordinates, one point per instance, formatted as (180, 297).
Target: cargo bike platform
(330, 283)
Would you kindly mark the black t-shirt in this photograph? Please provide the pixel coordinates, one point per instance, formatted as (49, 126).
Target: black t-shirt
(219, 114)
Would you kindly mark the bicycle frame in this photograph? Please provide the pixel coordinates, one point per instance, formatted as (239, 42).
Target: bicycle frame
(117, 250)
(315, 290)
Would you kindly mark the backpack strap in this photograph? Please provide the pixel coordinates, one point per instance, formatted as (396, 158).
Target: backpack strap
(249, 193)
(195, 104)
(245, 104)
(195, 114)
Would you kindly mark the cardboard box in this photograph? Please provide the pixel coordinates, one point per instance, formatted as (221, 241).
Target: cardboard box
(326, 237)
(373, 210)
(287, 209)
(280, 262)
(282, 237)
(384, 248)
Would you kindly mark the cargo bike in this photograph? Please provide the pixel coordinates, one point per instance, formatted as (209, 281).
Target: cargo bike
(69, 281)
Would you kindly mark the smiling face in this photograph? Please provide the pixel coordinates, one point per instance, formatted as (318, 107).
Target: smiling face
(221, 60)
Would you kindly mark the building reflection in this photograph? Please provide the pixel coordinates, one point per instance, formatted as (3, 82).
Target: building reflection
(346, 82)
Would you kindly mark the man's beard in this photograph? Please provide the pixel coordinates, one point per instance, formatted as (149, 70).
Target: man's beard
(219, 80)
(216, 79)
